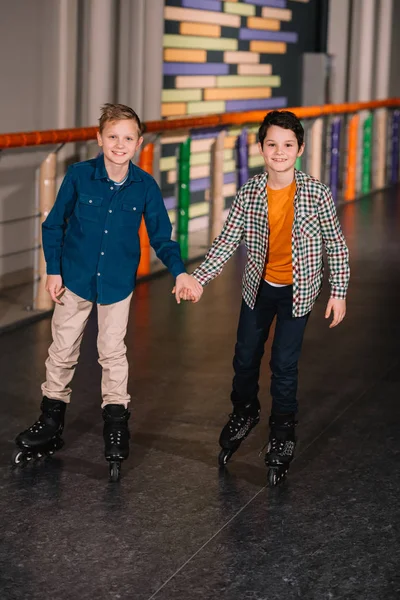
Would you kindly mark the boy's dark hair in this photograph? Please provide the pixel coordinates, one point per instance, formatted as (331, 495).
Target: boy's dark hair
(118, 112)
(284, 119)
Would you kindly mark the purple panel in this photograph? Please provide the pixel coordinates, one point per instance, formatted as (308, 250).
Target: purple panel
(198, 185)
(172, 68)
(170, 202)
(239, 105)
(242, 158)
(271, 36)
(203, 134)
(334, 166)
(229, 178)
(203, 4)
(394, 171)
(273, 3)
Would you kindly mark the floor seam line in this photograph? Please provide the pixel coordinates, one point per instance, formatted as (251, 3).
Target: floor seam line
(315, 439)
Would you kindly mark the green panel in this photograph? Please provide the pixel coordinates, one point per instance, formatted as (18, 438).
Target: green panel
(240, 9)
(205, 43)
(367, 155)
(181, 95)
(205, 108)
(225, 81)
(183, 198)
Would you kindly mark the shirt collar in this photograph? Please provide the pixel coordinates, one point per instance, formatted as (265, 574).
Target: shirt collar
(101, 172)
(299, 177)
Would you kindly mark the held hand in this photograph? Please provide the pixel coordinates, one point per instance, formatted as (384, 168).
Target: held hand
(187, 288)
(54, 286)
(338, 307)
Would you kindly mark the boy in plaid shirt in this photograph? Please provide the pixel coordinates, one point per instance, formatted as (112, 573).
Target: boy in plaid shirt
(285, 219)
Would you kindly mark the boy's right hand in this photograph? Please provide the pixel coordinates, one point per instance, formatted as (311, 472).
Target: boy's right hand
(54, 285)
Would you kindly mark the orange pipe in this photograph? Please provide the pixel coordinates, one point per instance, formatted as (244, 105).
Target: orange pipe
(350, 191)
(145, 163)
(63, 136)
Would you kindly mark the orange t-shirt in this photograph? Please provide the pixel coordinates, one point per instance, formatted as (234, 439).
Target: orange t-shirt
(278, 266)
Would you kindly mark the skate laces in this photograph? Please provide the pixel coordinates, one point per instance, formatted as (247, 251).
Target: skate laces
(240, 424)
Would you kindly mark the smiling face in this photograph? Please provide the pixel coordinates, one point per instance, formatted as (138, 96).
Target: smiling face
(280, 149)
(120, 140)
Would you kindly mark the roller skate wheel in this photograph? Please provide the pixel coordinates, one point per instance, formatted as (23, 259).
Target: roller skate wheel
(18, 457)
(223, 457)
(115, 471)
(272, 477)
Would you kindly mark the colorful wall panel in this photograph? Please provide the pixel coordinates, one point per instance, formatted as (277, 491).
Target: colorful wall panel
(229, 56)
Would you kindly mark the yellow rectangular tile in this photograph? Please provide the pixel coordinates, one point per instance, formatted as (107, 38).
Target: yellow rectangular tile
(204, 158)
(167, 163)
(241, 57)
(256, 161)
(244, 10)
(268, 47)
(247, 93)
(175, 13)
(170, 137)
(181, 95)
(229, 189)
(201, 145)
(225, 81)
(175, 109)
(205, 108)
(260, 23)
(197, 29)
(192, 41)
(254, 69)
(200, 171)
(176, 55)
(283, 14)
(253, 149)
(195, 81)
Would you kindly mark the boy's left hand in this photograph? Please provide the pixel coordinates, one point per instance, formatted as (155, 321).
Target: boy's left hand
(187, 288)
(338, 307)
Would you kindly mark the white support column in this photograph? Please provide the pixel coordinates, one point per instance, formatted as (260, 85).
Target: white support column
(384, 40)
(153, 59)
(101, 63)
(362, 51)
(131, 51)
(338, 27)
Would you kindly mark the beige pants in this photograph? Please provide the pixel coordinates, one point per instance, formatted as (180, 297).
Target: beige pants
(68, 324)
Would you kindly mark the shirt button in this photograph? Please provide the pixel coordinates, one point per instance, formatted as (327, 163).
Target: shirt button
(111, 188)
(134, 208)
(90, 201)
(105, 231)
(102, 253)
(98, 274)
(110, 211)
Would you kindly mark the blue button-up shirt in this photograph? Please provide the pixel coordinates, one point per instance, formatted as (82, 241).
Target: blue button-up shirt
(90, 236)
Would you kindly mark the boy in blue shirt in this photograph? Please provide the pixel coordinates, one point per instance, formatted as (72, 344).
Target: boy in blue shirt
(92, 251)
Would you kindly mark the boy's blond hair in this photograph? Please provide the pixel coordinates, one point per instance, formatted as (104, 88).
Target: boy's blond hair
(118, 112)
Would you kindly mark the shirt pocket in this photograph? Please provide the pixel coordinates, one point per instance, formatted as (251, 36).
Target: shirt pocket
(129, 215)
(309, 225)
(89, 207)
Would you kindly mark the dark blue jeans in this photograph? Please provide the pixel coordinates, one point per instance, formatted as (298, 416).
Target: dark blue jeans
(253, 331)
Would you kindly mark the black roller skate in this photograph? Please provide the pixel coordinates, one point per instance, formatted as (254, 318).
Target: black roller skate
(44, 437)
(116, 437)
(241, 422)
(281, 445)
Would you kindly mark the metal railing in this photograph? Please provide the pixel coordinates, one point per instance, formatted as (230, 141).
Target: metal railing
(354, 148)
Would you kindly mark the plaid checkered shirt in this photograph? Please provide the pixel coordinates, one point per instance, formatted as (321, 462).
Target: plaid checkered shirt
(315, 226)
